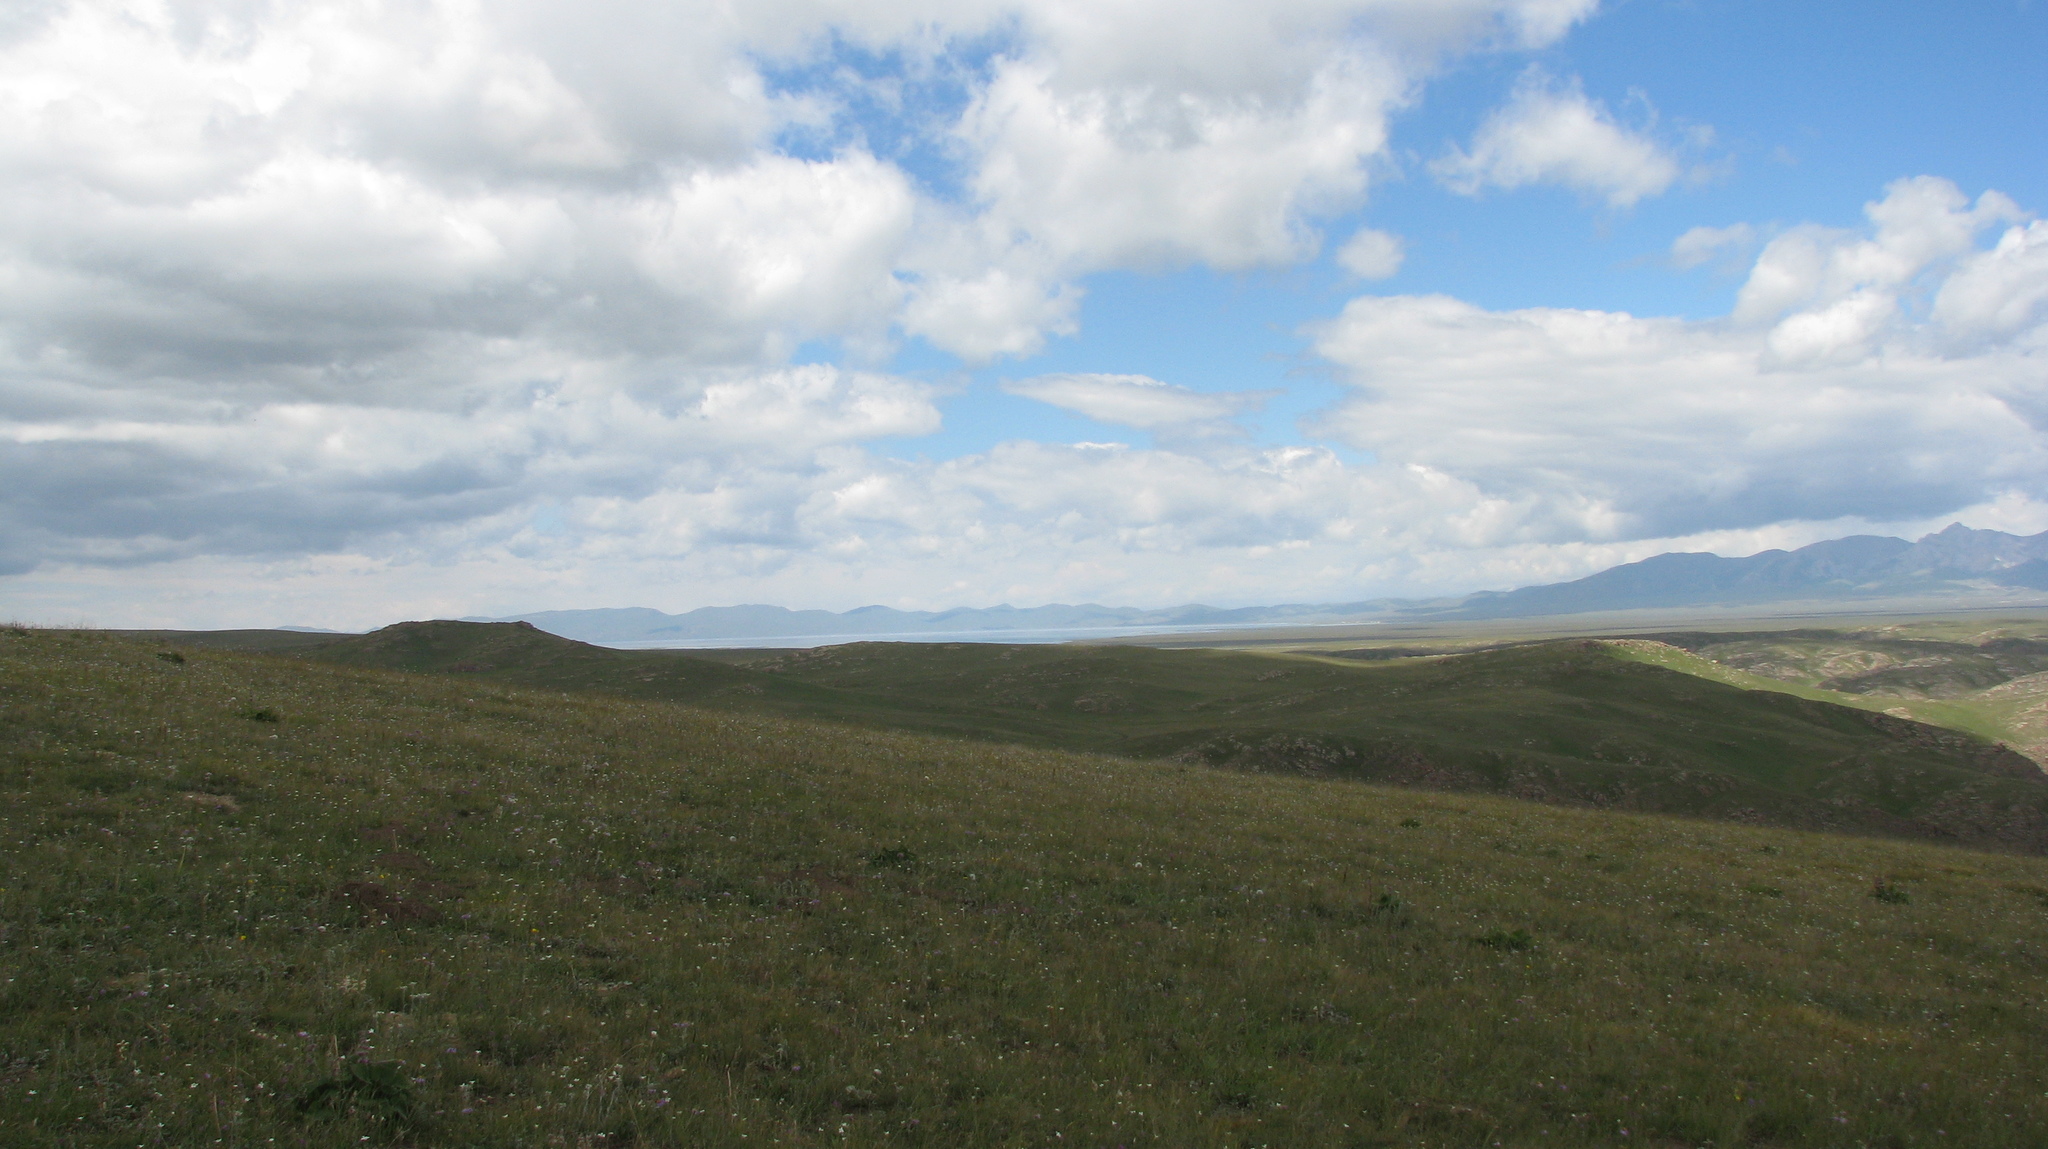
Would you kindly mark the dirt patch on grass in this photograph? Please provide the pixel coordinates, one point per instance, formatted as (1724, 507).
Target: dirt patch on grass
(375, 902)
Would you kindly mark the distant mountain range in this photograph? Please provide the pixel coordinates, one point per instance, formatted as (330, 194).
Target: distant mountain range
(1951, 561)
(1957, 561)
(640, 624)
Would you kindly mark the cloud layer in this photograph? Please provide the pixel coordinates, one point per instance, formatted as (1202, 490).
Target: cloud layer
(481, 306)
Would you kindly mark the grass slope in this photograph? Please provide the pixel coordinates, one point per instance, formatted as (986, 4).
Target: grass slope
(1571, 722)
(252, 900)
(1985, 676)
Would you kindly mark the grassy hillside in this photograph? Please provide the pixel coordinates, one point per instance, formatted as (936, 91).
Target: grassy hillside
(1985, 676)
(1573, 722)
(252, 900)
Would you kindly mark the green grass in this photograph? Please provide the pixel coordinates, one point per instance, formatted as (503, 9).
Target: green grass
(1969, 716)
(433, 910)
(1579, 722)
(1985, 676)
(1982, 672)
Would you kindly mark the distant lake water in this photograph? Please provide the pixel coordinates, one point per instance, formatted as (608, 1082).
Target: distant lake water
(1061, 634)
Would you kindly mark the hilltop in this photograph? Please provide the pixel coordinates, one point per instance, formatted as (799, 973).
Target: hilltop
(252, 898)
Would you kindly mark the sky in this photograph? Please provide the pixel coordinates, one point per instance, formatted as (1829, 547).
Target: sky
(341, 313)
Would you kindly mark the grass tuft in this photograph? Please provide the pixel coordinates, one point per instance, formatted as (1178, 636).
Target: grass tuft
(893, 858)
(1517, 940)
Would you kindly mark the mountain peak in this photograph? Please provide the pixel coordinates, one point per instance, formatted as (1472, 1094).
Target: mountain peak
(1953, 531)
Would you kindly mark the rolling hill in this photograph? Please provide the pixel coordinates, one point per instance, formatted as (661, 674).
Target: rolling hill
(1575, 722)
(254, 899)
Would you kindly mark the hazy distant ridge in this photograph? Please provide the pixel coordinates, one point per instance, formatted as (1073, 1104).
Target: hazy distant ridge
(1857, 566)
(642, 624)
(1953, 561)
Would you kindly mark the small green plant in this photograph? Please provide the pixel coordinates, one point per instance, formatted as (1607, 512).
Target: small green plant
(1517, 939)
(263, 715)
(894, 858)
(378, 1090)
(1762, 890)
(1390, 909)
(170, 656)
(1884, 890)
(1411, 823)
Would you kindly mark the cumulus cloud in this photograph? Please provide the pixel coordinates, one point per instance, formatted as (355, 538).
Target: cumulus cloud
(1551, 133)
(1141, 134)
(296, 195)
(982, 312)
(1371, 254)
(1701, 244)
(1998, 294)
(1832, 393)
(1137, 400)
(1139, 177)
(1830, 295)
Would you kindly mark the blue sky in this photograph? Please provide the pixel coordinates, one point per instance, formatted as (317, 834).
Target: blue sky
(1812, 108)
(338, 313)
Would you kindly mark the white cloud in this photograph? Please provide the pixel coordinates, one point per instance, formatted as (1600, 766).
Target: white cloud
(1829, 295)
(1147, 134)
(2001, 293)
(1370, 254)
(297, 477)
(1136, 400)
(988, 312)
(252, 190)
(1141, 177)
(1022, 523)
(1701, 244)
(1832, 394)
(1027, 523)
(1551, 133)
